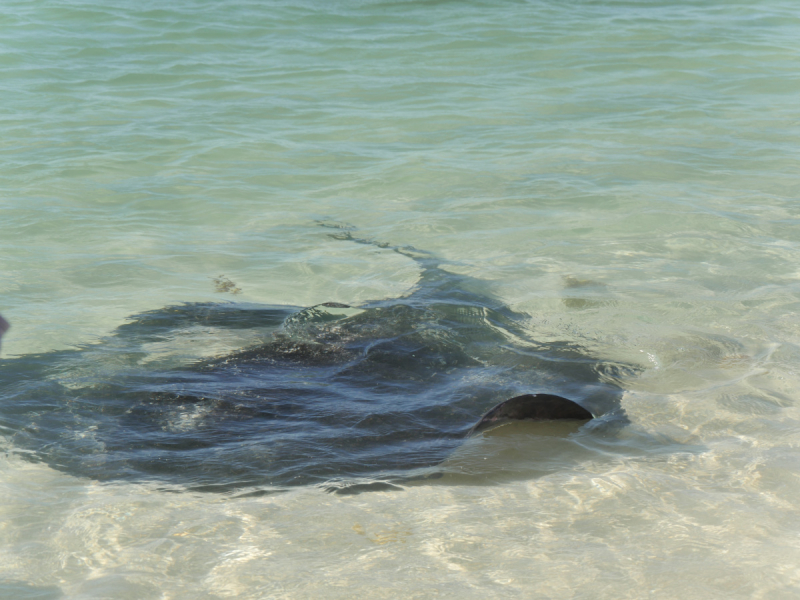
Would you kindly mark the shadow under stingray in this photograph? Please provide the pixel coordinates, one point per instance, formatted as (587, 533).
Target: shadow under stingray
(332, 395)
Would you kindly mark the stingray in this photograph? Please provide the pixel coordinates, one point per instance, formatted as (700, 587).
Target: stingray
(330, 393)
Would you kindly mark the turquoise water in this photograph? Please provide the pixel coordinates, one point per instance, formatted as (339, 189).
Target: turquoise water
(624, 173)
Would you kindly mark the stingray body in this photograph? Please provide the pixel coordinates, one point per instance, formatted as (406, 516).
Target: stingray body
(331, 392)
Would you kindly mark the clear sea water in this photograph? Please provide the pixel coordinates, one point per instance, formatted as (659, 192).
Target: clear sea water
(625, 173)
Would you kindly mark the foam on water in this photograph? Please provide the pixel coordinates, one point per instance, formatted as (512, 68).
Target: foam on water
(622, 172)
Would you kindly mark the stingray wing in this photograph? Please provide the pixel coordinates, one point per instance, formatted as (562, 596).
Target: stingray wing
(533, 407)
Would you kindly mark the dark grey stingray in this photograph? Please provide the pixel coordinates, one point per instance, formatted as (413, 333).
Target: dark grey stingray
(331, 392)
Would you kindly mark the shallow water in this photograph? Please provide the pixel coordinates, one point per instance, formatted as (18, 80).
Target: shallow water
(621, 173)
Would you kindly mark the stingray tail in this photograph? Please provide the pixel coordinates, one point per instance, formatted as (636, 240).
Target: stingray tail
(345, 231)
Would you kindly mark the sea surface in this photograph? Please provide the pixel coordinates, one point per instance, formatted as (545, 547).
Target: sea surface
(622, 176)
